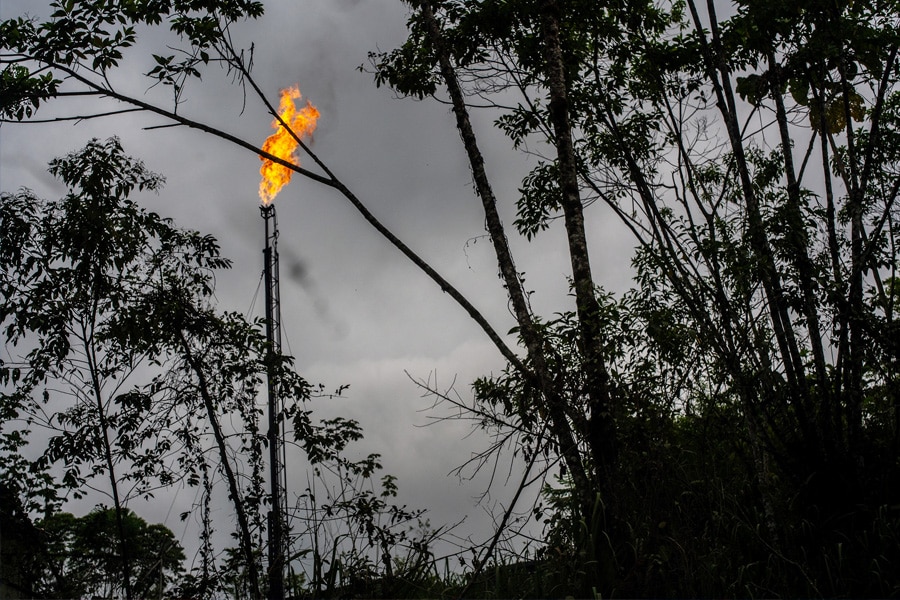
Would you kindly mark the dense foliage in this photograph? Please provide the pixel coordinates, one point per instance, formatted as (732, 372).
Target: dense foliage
(121, 379)
(736, 413)
(730, 426)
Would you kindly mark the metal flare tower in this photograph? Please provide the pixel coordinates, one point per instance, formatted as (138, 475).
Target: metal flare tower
(276, 516)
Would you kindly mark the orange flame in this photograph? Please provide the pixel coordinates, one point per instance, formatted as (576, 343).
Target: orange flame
(283, 145)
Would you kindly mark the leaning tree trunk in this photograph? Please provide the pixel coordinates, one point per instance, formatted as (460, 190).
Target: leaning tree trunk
(539, 374)
(246, 540)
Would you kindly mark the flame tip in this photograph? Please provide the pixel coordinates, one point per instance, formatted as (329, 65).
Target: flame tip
(283, 144)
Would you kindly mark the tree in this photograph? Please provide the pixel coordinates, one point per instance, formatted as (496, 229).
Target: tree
(73, 271)
(79, 557)
(123, 368)
(63, 556)
(766, 258)
(737, 240)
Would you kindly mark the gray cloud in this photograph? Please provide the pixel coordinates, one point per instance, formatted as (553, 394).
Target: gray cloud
(355, 310)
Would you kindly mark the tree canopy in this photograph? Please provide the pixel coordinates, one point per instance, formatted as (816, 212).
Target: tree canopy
(121, 379)
(731, 424)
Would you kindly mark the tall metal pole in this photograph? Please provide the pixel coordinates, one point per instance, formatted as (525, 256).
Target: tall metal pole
(273, 336)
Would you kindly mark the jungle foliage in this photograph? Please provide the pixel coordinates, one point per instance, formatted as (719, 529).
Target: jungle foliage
(728, 427)
(121, 379)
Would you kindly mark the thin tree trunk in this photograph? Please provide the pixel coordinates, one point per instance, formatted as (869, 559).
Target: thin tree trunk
(117, 503)
(601, 436)
(246, 541)
(598, 504)
(540, 376)
(855, 321)
(799, 241)
(718, 73)
(93, 368)
(838, 278)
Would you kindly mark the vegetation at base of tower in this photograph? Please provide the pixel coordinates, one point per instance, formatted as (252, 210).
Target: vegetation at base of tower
(121, 380)
(74, 557)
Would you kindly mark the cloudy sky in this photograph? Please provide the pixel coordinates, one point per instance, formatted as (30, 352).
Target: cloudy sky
(355, 311)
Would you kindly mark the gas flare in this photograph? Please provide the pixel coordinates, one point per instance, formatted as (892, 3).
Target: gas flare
(283, 145)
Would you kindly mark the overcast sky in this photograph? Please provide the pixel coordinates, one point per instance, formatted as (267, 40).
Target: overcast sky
(355, 311)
